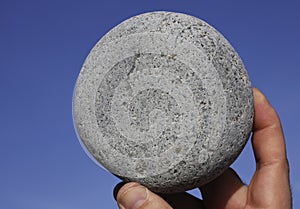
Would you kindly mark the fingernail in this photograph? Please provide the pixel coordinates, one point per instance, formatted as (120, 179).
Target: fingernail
(259, 96)
(134, 197)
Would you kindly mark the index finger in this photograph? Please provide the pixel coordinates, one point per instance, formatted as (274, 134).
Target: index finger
(268, 140)
(270, 187)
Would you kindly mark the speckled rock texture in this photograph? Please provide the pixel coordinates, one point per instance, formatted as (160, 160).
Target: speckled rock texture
(163, 99)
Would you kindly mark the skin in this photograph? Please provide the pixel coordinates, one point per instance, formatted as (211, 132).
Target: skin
(268, 189)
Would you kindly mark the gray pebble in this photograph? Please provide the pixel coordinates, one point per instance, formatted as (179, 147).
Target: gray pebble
(163, 99)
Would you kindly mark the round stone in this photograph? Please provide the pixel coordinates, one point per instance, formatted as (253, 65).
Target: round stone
(163, 99)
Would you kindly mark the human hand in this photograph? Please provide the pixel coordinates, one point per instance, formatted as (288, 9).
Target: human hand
(268, 189)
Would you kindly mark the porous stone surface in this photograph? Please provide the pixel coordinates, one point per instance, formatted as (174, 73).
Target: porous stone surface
(163, 99)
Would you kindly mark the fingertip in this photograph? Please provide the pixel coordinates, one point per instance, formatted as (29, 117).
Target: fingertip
(264, 114)
(135, 196)
(117, 189)
(132, 196)
(259, 97)
(122, 187)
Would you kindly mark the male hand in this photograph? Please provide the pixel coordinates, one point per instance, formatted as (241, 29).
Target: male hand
(268, 189)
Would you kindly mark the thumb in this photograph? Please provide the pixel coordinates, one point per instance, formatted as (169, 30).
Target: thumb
(135, 196)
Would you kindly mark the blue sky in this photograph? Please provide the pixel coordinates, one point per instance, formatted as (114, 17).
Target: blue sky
(42, 47)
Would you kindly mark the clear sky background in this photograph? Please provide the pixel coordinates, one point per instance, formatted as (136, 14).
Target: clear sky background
(43, 44)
